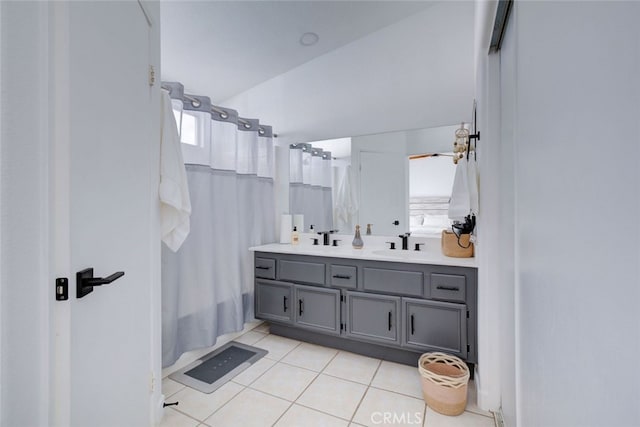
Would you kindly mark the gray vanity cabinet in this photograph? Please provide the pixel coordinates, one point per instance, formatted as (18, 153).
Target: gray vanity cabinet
(373, 317)
(274, 300)
(317, 308)
(435, 326)
(386, 309)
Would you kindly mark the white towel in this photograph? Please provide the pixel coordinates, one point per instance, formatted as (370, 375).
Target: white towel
(175, 204)
(346, 203)
(472, 176)
(459, 205)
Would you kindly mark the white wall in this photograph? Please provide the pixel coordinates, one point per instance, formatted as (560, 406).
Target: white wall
(433, 140)
(378, 83)
(502, 72)
(431, 177)
(567, 98)
(414, 74)
(24, 283)
(578, 92)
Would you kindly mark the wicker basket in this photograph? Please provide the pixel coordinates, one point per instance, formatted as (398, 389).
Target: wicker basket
(450, 246)
(444, 382)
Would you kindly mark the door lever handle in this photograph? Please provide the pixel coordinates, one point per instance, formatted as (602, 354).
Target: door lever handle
(85, 281)
(97, 281)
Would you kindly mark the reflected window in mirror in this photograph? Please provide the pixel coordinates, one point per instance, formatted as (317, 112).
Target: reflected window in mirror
(430, 182)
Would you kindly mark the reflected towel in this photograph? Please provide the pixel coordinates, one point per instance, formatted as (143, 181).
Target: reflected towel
(175, 204)
(346, 201)
(459, 205)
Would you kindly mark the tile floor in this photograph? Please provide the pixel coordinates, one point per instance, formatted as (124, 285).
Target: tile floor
(303, 385)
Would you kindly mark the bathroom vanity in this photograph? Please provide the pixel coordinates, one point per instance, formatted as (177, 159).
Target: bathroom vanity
(393, 305)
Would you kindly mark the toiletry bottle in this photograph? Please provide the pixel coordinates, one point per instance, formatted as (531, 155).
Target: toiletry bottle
(357, 240)
(369, 229)
(295, 236)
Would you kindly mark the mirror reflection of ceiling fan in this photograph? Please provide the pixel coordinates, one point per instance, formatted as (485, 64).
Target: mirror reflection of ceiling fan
(423, 156)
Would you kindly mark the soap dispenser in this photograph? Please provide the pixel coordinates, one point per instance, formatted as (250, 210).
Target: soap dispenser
(295, 236)
(357, 240)
(369, 229)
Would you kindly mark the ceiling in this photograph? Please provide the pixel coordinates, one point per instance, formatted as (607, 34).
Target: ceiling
(379, 66)
(223, 48)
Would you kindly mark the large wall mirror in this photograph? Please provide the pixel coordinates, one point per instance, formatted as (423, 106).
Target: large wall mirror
(396, 181)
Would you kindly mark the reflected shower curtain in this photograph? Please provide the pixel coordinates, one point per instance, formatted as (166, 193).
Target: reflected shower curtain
(207, 286)
(310, 191)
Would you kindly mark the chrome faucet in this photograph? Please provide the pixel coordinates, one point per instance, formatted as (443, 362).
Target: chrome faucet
(405, 241)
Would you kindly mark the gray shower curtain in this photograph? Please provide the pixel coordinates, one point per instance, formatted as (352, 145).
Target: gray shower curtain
(310, 191)
(207, 285)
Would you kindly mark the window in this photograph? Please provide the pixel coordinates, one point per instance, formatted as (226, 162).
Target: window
(188, 132)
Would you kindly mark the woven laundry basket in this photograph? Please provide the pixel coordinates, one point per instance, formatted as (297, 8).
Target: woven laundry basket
(444, 382)
(454, 247)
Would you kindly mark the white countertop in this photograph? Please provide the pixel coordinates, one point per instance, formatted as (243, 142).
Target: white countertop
(429, 254)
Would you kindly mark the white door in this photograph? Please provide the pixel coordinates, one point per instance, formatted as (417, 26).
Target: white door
(383, 192)
(106, 119)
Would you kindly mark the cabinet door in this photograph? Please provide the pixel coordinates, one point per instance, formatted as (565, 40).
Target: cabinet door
(373, 317)
(273, 301)
(435, 326)
(318, 308)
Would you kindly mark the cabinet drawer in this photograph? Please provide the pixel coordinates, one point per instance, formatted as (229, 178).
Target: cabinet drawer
(265, 268)
(343, 276)
(393, 281)
(301, 271)
(448, 287)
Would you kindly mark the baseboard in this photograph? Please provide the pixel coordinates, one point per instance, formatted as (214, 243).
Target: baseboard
(499, 418)
(397, 355)
(157, 410)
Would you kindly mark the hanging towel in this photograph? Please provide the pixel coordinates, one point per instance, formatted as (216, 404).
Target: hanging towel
(472, 177)
(346, 202)
(175, 205)
(460, 204)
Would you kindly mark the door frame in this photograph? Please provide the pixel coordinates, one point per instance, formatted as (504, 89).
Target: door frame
(60, 247)
(25, 288)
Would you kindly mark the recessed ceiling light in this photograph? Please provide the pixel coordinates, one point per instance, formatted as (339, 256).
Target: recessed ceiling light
(309, 39)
